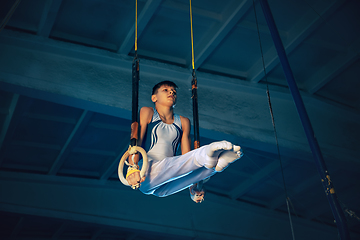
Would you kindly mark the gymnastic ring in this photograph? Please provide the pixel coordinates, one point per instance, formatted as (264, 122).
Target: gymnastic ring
(123, 159)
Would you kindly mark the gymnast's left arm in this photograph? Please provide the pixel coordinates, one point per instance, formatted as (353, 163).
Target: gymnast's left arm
(185, 139)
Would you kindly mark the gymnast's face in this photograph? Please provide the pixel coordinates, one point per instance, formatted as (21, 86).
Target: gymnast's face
(165, 95)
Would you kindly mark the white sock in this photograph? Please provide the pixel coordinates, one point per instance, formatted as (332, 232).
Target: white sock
(227, 157)
(213, 151)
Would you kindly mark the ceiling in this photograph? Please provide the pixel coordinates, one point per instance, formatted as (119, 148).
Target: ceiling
(65, 114)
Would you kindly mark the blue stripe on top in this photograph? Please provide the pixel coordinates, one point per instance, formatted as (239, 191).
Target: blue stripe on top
(161, 139)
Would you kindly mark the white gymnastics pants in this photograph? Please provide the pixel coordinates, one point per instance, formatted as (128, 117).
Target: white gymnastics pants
(173, 174)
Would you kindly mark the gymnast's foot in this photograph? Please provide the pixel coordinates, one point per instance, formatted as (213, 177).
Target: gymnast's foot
(214, 150)
(195, 194)
(227, 157)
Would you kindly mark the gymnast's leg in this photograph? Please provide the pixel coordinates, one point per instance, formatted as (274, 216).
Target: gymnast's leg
(205, 158)
(184, 182)
(219, 155)
(170, 169)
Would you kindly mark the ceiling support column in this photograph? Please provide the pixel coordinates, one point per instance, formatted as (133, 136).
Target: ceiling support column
(319, 161)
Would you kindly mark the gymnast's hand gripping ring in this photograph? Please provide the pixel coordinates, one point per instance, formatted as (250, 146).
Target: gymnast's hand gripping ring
(130, 151)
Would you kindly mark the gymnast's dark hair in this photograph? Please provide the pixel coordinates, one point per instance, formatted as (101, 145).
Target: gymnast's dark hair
(166, 83)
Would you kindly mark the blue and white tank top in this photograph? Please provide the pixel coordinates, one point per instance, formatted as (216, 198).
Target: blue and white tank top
(162, 140)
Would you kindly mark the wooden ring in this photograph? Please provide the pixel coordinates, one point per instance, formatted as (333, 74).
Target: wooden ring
(123, 159)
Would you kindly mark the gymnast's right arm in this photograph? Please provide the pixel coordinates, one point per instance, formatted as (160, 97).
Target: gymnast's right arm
(145, 118)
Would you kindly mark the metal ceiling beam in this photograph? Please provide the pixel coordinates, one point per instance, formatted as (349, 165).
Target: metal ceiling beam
(107, 91)
(111, 167)
(225, 71)
(260, 153)
(232, 203)
(21, 108)
(47, 117)
(297, 34)
(163, 57)
(198, 11)
(326, 44)
(132, 236)
(59, 231)
(83, 40)
(17, 228)
(111, 209)
(251, 25)
(109, 170)
(255, 179)
(24, 168)
(36, 145)
(93, 151)
(143, 19)
(307, 184)
(315, 148)
(252, 200)
(95, 56)
(9, 14)
(109, 126)
(9, 115)
(96, 234)
(78, 173)
(83, 120)
(232, 14)
(94, 201)
(48, 17)
(335, 67)
(320, 208)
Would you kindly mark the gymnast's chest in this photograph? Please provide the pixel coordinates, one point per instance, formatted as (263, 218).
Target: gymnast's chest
(166, 132)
